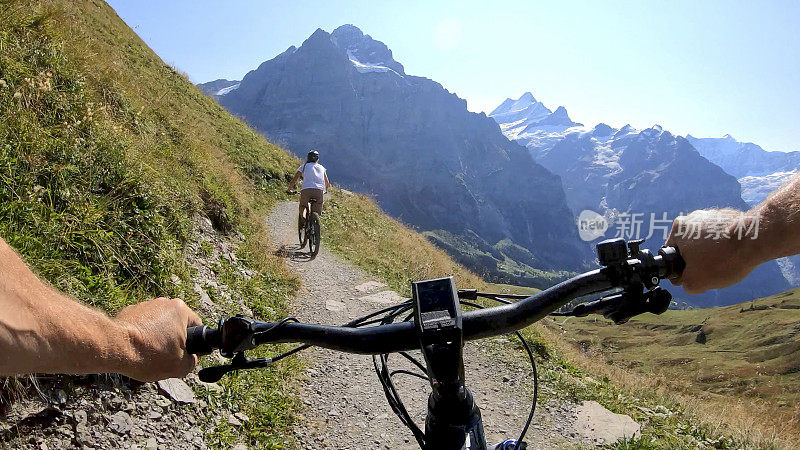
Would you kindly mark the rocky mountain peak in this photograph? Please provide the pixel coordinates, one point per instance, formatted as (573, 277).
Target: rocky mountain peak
(428, 160)
(602, 129)
(347, 33)
(318, 35)
(529, 114)
(656, 131)
(361, 48)
(527, 97)
(626, 129)
(510, 105)
(526, 108)
(561, 112)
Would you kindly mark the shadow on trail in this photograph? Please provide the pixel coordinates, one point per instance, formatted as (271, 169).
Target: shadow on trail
(295, 253)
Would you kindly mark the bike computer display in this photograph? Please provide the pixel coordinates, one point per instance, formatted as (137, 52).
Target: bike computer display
(437, 312)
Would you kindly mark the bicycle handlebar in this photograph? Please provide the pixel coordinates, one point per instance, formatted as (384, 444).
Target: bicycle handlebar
(619, 271)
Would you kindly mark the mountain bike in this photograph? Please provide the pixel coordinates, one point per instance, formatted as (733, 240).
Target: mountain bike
(308, 228)
(432, 321)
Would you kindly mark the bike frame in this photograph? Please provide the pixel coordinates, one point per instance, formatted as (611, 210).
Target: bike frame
(307, 229)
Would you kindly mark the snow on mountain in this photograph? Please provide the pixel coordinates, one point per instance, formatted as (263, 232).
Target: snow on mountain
(527, 120)
(533, 125)
(742, 159)
(759, 171)
(366, 54)
(226, 90)
(756, 189)
(367, 67)
(790, 267)
(525, 108)
(218, 87)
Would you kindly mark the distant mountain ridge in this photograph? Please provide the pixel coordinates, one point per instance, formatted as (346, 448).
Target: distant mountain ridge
(759, 171)
(742, 159)
(628, 171)
(413, 145)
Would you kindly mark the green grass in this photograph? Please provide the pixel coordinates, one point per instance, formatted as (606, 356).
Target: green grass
(746, 372)
(501, 288)
(354, 227)
(69, 201)
(503, 262)
(106, 156)
(665, 424)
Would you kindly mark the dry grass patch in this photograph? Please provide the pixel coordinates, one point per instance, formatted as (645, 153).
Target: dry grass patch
(758, 422)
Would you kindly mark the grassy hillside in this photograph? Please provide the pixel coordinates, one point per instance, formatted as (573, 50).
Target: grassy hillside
(739, 364)
(355, 227)
(107, 158)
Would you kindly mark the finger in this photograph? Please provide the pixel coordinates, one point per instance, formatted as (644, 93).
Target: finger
(674, 232)
(187, 364)
(693, 289)
(193, 319)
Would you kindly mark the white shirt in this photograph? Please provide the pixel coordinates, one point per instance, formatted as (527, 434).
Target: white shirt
(313, 175)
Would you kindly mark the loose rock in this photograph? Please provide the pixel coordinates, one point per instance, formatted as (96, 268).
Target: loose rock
(120, 422)
(177, 390)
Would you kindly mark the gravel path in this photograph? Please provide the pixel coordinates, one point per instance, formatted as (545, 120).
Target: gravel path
(345, 404)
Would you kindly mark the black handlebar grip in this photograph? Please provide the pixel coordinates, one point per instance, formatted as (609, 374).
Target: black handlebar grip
(674, 263)
(201, 340)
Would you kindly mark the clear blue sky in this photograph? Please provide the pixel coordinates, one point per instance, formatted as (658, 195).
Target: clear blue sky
(700, 67)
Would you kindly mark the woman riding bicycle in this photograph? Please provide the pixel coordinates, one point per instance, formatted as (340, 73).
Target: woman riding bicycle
(315, 183)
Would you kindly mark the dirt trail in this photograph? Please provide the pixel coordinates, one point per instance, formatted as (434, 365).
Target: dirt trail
(345, 404)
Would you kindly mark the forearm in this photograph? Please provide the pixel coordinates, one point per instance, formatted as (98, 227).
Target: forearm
(778, 230)
(294, 180)
(721, 247)
(43, 331)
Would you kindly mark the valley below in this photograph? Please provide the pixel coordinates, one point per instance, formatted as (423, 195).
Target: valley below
(739, 362)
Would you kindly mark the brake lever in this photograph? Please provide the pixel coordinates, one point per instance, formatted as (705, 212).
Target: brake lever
(240, 361)
(622, 306)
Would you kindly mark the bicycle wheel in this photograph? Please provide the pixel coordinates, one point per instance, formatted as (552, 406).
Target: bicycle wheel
(301, 229)
(315, 236)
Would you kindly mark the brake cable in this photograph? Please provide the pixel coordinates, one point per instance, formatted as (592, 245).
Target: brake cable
(380, 362)
(393, 396)
(240, 361)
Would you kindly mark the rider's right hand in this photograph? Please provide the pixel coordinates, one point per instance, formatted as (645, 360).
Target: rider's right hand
(715, 256)
(157, 331)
